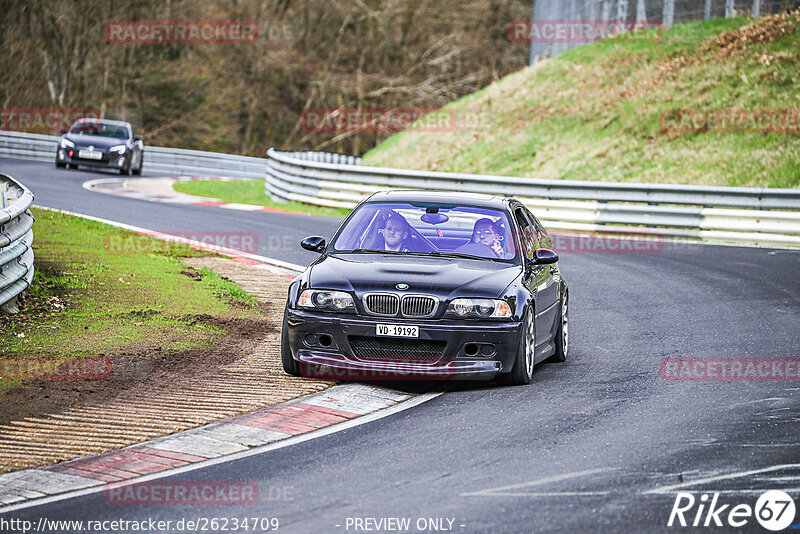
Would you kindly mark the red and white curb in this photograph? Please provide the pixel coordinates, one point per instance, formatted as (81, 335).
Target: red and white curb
(161, 190)
(334, 409)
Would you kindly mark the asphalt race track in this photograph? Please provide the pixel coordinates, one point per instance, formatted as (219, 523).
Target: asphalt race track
(601, 443)
(279, 234)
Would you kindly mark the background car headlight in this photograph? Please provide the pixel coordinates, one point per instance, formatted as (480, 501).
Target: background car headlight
(118, 148)
(480, 308)
(319, 299)
(66, 143)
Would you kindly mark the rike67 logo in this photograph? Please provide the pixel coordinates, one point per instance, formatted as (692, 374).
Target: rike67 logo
(774, 510)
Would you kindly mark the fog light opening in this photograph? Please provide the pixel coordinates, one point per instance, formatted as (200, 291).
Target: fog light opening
(471, 349)
(121, 161)
(325, 340)
(60, 154)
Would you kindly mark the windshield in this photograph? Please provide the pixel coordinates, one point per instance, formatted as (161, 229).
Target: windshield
(433, 229)
(100, 128)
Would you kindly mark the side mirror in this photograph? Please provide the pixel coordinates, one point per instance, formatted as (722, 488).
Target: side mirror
(313, 243)
(544, 256)
(137, 137)
(63, 131)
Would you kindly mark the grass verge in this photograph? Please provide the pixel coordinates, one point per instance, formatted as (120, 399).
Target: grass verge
(594, 113)
(92, 297)
(249, 192)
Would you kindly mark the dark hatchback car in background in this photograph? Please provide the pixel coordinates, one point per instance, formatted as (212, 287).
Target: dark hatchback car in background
(429, 285)
(101, 143)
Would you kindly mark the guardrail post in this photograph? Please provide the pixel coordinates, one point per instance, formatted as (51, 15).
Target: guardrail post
(11, 307)
(729, 5)
(756, 8)
(707, 13)
(669, 13)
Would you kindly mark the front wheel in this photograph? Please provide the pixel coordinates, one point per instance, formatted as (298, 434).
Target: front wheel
(138, 170)
(60, 165)
(522, 372)
(290, 365)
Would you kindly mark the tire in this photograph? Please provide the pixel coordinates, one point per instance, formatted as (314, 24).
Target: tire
(290, 365)
(562, 336)
(138, 170)
(125, 171)
(60, 165)
(522, 372)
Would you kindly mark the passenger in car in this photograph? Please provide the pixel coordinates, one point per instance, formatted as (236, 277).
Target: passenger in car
(485, 242)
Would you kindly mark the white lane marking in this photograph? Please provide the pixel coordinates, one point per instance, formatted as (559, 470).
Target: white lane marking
(169, 237)
(537, 494)
(507, 490)
(756, 401)
(90, 184)
(345, 425)
(767, 445)
(716, 478)
(541, 494)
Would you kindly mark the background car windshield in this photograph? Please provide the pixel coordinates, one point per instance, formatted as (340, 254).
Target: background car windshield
(102, 129)
(428, 228)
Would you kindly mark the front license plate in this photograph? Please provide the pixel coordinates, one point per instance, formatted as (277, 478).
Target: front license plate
(394, 330)
(90, 154)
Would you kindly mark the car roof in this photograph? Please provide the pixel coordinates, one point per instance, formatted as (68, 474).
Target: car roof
(450, 197)
(107, 121)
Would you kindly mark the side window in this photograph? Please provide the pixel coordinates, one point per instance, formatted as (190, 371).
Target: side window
(528, 236)
(541, 233)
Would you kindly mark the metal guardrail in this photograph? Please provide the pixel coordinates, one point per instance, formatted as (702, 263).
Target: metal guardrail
(16, 241)
(175, 161)
(731, 214)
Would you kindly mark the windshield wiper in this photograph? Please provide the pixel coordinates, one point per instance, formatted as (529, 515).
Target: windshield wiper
(457, 255)
(367, 251)
(435, 254)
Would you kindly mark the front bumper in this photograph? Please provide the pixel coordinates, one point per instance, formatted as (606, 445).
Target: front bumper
(111, 160)
(340, 361)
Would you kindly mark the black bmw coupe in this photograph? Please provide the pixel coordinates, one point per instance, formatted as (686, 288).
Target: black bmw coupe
(429, 285)
(101, 143)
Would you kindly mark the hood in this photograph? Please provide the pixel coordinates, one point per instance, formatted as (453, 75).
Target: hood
(444, 277)
(96, 141)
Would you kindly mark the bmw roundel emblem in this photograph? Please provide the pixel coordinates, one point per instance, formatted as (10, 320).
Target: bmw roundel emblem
(402, 287)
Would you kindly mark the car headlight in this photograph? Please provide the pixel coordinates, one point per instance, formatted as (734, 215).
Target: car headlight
(318, 299)
(479, 308)
(66, 143)
(118, 149)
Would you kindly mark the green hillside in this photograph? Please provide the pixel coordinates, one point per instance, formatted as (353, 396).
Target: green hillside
(596, 112)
